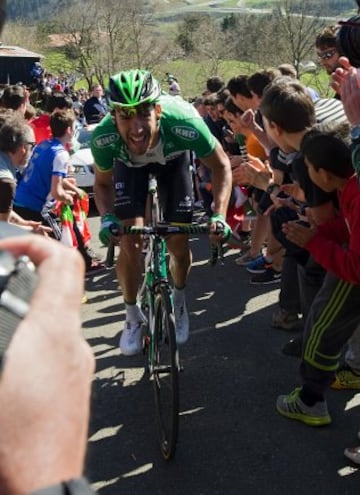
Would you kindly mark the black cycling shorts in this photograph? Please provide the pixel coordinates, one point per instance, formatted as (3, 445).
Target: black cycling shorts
(175, 189)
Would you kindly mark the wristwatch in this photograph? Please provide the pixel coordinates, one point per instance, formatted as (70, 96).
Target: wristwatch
(355, 133)
(270, 188)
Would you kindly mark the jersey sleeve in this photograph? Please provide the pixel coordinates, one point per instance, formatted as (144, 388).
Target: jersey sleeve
(61, 164)
(183, 128)
(193, 134)
(104, 144)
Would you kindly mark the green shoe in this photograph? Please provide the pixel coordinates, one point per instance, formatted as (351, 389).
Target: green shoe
(345, 378)
(291, 406)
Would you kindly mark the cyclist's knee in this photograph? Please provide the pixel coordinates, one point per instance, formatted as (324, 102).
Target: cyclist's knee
(131, 245)
(177, 243)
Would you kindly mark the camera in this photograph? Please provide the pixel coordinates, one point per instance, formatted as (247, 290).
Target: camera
(18, 280)
(348, 40)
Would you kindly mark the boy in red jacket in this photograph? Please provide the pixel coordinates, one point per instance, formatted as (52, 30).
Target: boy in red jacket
(335, 313)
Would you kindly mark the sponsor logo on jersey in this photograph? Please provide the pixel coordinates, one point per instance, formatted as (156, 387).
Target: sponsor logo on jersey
(185, 132)
(119, 186)
(106, 140)
(185, 203)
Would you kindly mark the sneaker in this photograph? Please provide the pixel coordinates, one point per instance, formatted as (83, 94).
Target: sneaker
(269, 276)
(291, 406)
(353, 453)
(181, 323)
(92, 254)
(131, 338)
(244, 259)
(285, 320)
(345, 378)
(258, 265)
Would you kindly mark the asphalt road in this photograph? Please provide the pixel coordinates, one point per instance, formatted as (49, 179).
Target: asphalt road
(231, 440)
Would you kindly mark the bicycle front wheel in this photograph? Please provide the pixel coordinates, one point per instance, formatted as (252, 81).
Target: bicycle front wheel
(166, 373)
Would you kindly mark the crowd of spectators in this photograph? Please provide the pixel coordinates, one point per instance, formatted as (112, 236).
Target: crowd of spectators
(297, 215)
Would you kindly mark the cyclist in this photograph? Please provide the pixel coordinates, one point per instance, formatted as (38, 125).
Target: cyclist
(147, 131)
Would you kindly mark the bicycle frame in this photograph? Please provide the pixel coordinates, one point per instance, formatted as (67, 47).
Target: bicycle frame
(155, 274)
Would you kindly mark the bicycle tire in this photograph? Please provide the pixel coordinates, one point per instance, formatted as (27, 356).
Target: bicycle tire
(165, 373)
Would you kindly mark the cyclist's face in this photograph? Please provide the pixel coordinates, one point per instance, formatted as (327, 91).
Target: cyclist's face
(138, 126)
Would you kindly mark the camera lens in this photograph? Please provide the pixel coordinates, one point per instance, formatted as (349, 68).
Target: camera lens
(348, 40)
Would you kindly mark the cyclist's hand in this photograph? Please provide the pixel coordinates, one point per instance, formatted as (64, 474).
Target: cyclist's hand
(108, 221)
(217, 221)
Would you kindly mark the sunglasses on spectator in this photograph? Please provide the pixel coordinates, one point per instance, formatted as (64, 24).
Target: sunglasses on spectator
(326, 55)
(143, 110)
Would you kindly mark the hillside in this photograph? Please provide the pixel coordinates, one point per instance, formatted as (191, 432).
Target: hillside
(35, 10)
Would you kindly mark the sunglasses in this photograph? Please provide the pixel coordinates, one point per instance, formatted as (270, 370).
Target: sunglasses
(143, 110)
(326, 55)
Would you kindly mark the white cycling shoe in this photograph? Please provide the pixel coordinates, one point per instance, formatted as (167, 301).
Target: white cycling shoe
(181, 323)
(131, 338)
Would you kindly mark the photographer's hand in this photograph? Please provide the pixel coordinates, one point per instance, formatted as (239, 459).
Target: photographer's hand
(46, 379)
(346, 80)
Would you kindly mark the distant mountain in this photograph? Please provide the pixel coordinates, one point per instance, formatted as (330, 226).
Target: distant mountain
(34, 10)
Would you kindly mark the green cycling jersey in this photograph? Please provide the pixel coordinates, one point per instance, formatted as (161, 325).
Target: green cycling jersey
(181, 128)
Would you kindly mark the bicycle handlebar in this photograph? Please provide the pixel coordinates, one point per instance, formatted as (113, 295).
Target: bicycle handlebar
(164, 229)
(217, 250)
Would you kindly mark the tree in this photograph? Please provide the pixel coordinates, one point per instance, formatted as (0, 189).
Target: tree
(187, 29)
(298, 29)
(113, 37)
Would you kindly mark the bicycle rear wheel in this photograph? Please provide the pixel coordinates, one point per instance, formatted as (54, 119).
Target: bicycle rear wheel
(166, 373)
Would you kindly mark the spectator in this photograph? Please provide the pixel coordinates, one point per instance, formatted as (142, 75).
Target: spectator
(37, 75)
(246, 93)
(95, 108)
(53, 396)
(214, 84)
(200, 106)
(212, 119)
(241, 94)
(16, 144)
(41, 125)
(248, 102)
(46, 176)
(14, 97)
(174, 86)
(290, 71)
(47, 170)
(288, 112)
(287, 118)
(336, 246)
(258, 81)
(327, 50)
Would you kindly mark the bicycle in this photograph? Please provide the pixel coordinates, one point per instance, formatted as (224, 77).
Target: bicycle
(155, 296)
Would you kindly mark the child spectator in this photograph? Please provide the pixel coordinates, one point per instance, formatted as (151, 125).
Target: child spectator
(335, 245)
